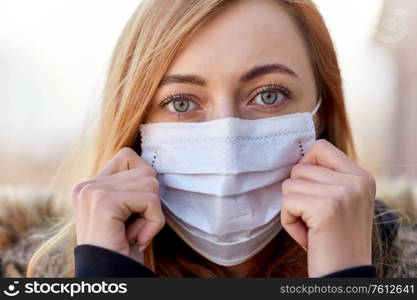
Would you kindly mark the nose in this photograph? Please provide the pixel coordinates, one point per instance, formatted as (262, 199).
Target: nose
(224, 108)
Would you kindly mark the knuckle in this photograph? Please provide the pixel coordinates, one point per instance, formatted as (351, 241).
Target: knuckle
(151, 184)
(321, 143)
(342, 192)
(161, 221)
(77, 189)
(80, 190)
(285, 185)
(150, 171)
(371, 183)
(364, 185)
(153, 198)
(296, 170)
(286, 182)
(359, 184)
(99, 198)
(125, 151)
(87, 190)
(284, 201)
(93, 198)
(101, 203)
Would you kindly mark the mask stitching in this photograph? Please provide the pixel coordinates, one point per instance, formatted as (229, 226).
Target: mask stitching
(220, 139)
(300, 145)
(277, 119)
(153, 160)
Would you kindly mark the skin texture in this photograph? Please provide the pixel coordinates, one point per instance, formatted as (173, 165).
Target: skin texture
(102, 206)
(328, 200)
(245, 35)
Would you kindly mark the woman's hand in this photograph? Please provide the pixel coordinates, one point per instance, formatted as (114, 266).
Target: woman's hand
(127, 184)
(328, 207)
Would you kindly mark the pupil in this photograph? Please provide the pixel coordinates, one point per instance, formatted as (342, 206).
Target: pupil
(181, 105)
(268, 98)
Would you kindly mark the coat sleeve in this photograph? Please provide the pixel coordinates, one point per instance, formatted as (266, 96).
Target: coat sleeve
(95, 261)
(359, 271)
(389, 223)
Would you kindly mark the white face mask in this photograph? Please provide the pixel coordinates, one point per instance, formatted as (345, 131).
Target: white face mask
(220, 180)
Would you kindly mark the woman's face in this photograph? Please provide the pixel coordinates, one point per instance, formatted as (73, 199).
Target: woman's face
(248, 62)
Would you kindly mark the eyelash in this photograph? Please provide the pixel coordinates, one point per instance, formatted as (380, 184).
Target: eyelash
(174, 97)
(271, 87)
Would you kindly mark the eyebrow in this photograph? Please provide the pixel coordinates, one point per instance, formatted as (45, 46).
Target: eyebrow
(253, 73)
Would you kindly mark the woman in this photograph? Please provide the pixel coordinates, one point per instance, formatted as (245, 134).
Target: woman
(205, 62)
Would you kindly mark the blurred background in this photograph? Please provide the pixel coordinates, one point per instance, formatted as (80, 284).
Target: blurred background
(54, 53)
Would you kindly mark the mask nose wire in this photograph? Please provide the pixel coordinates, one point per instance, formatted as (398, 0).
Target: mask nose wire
(317, 107)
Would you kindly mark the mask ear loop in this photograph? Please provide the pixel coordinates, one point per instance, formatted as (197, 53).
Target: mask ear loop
(300, 145)
(317, 107)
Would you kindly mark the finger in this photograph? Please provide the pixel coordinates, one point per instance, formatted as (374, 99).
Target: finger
(295, 216)
(295, 227)
(135, 174)
(325, 154)
(148, 232)
(144, 203)
(150, 209)
(125, 159)
(132, 230)
(129, 181)
(317, 174)
(305, 187)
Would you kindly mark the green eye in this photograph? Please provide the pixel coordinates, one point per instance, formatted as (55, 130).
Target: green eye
(269, 97)
(181, 105)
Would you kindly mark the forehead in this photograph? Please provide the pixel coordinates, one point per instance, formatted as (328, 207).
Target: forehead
(248, 32)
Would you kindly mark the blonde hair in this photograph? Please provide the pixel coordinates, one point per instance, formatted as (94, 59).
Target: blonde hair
(153, 36)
